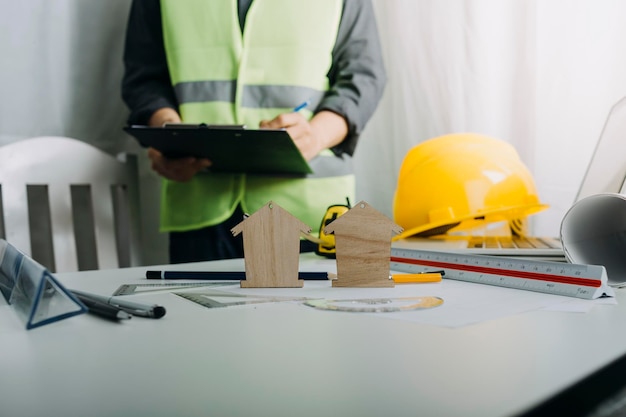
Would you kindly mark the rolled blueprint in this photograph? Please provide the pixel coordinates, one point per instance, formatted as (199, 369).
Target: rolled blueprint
(593, 232)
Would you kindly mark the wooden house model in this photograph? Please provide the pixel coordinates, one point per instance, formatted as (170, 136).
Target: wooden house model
(271, 246)
(363, 247)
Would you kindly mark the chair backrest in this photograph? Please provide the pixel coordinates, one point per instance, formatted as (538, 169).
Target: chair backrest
(69, 205)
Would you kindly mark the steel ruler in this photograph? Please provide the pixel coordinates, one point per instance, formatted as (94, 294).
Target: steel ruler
(573, 280)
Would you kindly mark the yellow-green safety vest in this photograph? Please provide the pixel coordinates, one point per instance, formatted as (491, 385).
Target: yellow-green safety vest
(222, 76)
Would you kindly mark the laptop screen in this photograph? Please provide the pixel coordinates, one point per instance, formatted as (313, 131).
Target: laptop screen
(606, 171)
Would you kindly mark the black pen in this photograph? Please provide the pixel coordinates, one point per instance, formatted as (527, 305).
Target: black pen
(223, 275)
(136, 309)
(102, 309)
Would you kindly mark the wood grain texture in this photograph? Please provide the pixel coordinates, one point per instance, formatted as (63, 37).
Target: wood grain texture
(363, 247)
(271, 246)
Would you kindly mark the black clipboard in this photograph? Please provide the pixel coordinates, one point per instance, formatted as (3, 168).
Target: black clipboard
(230, 148)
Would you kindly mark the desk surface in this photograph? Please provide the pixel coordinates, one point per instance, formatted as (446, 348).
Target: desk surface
(286, 359)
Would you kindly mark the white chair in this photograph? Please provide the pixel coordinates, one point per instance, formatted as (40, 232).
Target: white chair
(69, 205)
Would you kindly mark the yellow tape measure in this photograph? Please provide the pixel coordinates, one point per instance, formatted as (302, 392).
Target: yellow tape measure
(326, 247)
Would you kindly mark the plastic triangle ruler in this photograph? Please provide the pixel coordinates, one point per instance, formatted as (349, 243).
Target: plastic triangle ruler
(52, 302)
(217, 299)
(573, 280)
(129, 289)
(35, 295)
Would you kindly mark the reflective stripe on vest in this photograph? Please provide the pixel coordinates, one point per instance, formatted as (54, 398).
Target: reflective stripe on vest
(222, 76)
(272, 96)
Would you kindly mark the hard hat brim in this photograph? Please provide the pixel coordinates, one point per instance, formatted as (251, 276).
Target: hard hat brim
(469, 221)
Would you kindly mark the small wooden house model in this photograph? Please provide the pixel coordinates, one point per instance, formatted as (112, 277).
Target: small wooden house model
(271, 247)
(363, 247)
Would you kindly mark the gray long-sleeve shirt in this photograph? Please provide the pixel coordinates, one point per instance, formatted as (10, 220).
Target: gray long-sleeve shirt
(357, 75)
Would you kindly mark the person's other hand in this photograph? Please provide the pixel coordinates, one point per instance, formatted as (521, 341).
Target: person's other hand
(301, 131)
(162, 116)
(179, 169)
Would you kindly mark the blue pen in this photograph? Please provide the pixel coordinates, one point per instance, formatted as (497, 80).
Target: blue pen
(301, 106)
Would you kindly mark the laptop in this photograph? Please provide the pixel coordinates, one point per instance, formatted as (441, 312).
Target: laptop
(606, 173)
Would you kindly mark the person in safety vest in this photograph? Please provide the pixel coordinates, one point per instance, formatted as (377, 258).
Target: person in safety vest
(252, 63)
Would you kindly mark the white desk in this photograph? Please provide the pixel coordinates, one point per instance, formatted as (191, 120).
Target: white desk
(286, 359)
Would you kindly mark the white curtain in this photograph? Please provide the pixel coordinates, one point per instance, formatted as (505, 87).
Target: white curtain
(60, 75)
(60, 70)
(540, 74)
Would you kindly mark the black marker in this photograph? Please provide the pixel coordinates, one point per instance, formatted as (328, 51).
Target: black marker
(223, 275)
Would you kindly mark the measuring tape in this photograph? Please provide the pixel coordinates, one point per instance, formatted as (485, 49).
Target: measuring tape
(581, 281)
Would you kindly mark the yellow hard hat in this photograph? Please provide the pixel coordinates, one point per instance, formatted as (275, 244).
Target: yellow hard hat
(460, 181)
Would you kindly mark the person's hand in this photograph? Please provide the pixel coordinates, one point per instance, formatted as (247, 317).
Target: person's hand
(325, 130)
(162, 116)
(300, 131)
(179, 169)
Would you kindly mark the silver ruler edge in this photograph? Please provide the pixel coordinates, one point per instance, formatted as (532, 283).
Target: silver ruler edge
(586, 281)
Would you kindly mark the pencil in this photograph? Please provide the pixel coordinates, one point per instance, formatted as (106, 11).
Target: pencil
(301, 106)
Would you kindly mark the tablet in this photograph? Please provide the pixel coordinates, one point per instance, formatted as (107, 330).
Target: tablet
(230, 148)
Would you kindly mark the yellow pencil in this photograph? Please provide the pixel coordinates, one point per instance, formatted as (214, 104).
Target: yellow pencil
(417, 278)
